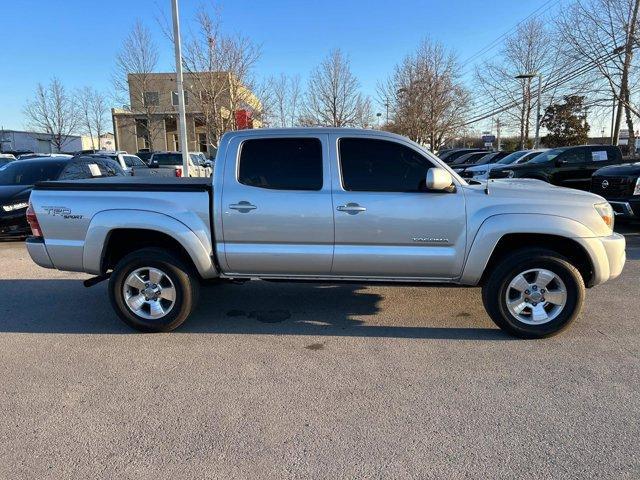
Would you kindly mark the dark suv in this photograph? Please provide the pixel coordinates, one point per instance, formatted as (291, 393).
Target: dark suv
(620, 185)
(566, 166)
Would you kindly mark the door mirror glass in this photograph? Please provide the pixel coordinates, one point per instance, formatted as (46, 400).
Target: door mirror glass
(438, 179)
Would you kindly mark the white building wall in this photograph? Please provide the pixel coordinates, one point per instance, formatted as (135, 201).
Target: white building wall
(36, 142)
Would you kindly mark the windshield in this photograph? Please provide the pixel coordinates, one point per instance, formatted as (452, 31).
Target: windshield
(512, 157)
(547, 156)
(30, 172)
(133, 161)
(485, 159)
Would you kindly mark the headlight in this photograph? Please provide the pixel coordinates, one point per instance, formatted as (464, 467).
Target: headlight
(636, 191)
(15, 206)
(479, 173)
(511, 174)
(606, 213)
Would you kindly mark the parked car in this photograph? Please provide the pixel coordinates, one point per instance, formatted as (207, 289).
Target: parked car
(17, 153)
(29, 156)
(144, 155)
(481, 171)
(451, 155)
(566, 166)
(329, 205)
(5, 158)
(200, 159)
(131, 164)
(489, 158)
(620, 185)
(17, 180)
(468, 158)
(173, 161)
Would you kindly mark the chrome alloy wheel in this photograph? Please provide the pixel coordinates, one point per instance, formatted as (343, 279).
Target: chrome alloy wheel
(149, 293)
(536, 296)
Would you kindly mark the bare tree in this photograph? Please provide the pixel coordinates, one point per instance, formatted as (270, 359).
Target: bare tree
(364, 112)
(425, 95)
(332, 93)
(134, 82)
(54, 112)
(284, 98)
(94, 112)
(220, 76)
(528, 51)
(604, 33)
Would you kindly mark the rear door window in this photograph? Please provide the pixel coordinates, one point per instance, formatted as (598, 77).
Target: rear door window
(281, 163)
(574, 156)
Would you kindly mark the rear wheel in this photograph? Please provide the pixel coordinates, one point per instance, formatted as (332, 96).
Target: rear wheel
(153, 291)
(533, 293)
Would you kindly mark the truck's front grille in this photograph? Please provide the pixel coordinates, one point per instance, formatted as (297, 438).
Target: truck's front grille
(613, 187)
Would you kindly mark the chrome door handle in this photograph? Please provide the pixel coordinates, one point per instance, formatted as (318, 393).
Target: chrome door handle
(242, 207)
(351, 208)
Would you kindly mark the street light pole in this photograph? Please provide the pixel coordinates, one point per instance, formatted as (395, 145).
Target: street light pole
(536, 143)
(182, 115)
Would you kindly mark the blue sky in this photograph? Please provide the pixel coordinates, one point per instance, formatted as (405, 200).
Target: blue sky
(77, 42)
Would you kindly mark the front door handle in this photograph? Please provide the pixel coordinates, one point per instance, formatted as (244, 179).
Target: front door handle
(243, 206)
(351, 208)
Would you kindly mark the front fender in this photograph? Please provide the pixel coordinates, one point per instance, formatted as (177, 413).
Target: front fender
(494, 228)
(106, 221)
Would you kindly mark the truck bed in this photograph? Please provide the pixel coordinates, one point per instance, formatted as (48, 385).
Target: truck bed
(148, 184)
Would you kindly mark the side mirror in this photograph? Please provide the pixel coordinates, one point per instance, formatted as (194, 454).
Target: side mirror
(438, 179)
(561, 162)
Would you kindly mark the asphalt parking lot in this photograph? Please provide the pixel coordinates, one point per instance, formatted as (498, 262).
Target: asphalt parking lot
(290, 381)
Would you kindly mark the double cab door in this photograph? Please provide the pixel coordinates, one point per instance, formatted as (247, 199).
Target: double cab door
(346, 206)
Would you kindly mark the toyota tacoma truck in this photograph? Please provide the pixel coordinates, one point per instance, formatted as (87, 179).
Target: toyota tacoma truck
(329, 205)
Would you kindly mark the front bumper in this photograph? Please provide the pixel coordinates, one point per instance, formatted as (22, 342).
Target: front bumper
(14, 224)
(626, 208)
(608, 256)
(38, 252)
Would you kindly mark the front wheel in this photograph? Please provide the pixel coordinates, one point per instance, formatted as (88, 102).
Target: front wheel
(533, 293)
(153, 291)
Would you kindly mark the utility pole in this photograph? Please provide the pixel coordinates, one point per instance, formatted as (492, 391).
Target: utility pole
(182, 115)
(498, 133)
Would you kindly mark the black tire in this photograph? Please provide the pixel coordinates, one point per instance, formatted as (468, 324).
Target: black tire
(494, 292)
(185, 282)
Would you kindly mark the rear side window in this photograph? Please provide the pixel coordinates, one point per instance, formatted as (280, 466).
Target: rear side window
(133, 161)
(369, 165)
(281, 163)
(573, 156)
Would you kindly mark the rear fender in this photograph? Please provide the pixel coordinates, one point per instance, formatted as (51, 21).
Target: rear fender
(105, 222)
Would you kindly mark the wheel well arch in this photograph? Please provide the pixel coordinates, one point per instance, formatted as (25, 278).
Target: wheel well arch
(122, 241)
(566, 247)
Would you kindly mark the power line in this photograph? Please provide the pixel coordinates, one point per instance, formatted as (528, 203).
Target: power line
(559, 82)
(496, 41)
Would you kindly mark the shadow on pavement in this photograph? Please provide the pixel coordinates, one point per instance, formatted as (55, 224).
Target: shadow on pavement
(65, 306)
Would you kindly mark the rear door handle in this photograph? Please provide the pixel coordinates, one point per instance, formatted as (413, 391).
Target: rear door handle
(351, 208)
(243, 206)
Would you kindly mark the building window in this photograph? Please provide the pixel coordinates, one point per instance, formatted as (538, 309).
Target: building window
(202, 142)
(174, 98)
(151, 99)
(142, 133)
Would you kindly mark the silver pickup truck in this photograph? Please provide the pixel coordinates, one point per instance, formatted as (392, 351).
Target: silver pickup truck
(329, 205)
